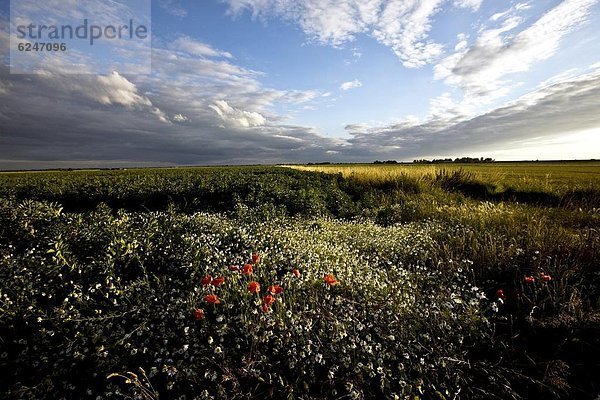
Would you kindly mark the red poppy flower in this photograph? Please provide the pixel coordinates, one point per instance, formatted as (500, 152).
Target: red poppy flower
(275, 289)
(500, 294)
(247, 270)
(206, 280)
(265, 308)
(268, 300)
(212, 299)
(296, 273)
(218, 281)
(255, 258)
(529, 279)
(545, 277)
(254, 287)
(199, 314)
(234, 268)
(330, 280)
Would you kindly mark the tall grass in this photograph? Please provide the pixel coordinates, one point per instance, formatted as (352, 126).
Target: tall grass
(574, 185)
(556, 178)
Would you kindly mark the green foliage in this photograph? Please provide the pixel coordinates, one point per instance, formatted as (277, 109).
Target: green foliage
(187, 189)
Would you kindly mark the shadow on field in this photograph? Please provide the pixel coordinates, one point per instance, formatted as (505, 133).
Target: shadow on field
(294, 192)
(465, 183)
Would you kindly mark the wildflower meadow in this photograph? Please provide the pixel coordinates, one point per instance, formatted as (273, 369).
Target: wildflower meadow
(226, 283)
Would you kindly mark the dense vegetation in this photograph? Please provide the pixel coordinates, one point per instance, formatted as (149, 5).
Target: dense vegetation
(416, 284)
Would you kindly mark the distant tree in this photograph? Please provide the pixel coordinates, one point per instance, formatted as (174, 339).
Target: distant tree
(456, 160)
(473, 160)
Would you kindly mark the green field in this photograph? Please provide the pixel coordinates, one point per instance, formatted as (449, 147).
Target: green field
(398, 281)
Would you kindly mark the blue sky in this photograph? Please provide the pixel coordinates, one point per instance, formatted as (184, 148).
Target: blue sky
(276, 81)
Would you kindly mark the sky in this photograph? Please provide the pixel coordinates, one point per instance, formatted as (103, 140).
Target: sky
(297, 81)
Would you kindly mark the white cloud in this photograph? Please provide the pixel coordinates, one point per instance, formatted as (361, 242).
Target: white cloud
(237, 118)
(113, 90)
(173, 8)
(162, 117)
(356, 55)
(3, 89)
(402, 25)
(472, 4)
(564, 76)
(180, 118)
(327, 21)
(445, 107)
(351, 85)
(481, 69)
(196, 48)
(300, 96)
(116, 89)
(103, 12)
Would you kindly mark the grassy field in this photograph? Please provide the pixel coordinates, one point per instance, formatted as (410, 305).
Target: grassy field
(543, 176)
(410, 282)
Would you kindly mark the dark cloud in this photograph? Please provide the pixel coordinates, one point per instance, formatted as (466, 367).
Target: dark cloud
(567, 106)
(191, 110)
(47, 127)
(50, 120)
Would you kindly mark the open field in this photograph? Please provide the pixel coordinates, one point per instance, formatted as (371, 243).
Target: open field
(544, 176)
(411, 282)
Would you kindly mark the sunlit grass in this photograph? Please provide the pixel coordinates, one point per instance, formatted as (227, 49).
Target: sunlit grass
(548, 177)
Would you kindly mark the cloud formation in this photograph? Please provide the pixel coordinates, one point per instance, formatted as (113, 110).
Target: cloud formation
(236, 117)
(351, 85)
(402, 25)
(568, 105)
(173, 7)
(194, 47)
(472, 4)
(59, 126)
(209, 110)
(114, 89)
(481, 69)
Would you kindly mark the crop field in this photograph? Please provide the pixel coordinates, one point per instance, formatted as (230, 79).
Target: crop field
(310, 282)
(544, 176)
